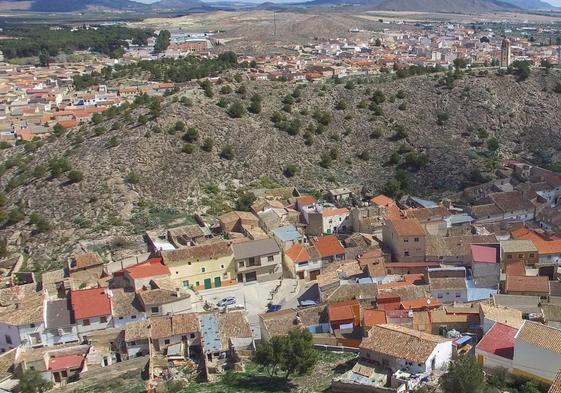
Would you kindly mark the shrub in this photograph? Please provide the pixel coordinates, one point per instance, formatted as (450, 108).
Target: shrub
(191, 135)
(58, 166)
(341, 105)
(132, 178)
(402, 106)
(400, 94)
(325, 159)
(142, 119)
(493, 144)
(75, 176)
(14, 216)
(41, 224)
(442, 117)
(400, 132)
(236, 110)
(185, 101)
(291, 170)
(364, 155)
(227, 152)
(188, 148)
(376, 133)
(207, 145)
(378, 97)
(349, 85)
(113, 142)
(179, 126)
(226, 89)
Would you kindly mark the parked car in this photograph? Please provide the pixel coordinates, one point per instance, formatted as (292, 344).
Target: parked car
(273, 307)
(227, 301)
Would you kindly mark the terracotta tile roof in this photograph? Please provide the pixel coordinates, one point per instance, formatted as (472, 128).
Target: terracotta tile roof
(556, 385)
(437, 284)
(160, 327)
(233, 325)
(427, 213)
(373, 263)
(374, 317)
(202, 252)
(511, 201)
(516, 268)
(407, 227)
(499, 341)
(327, 246)
(484, 254)
(297, 253)
(89, 303)
(544, 246)
(419, 304)
(353, 291)
(137, 330)
(335, 212)
(160, 296)
(537, 284)
(185, 323)
(64, 362)
(151, 268)
(124, 304)
(343, 310)
(505, 315)
(382, 200)
(86, 260)
(414, 279)
(455, 246)
(26, 311)
(401, 342)
(542, 336)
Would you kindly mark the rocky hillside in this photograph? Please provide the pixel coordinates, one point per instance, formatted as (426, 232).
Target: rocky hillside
(129, 176)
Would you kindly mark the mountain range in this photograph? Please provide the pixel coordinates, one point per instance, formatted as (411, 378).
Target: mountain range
(467, 6)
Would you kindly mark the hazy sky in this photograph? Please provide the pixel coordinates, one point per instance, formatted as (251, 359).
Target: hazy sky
(553, 2)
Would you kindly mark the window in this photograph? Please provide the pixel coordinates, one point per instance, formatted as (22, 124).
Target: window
(416, 239)
(31, 325)
(166, 341)
(221, 266)
(133, 316)
(531, 255)
(197, 284)
(520, 256)
(440, 296)
(405, 240)
(270, 258)
(120, 318)
(509, 256)
(189, 263)
(203, 269)
(184, 338)
(458, 294)
(406, 253)
(186, 283)
(102, 319)
(192, 335)
(86, 322)
(224, 275)
(242, 263)
(8, 339)
(155, 309)
(133, 342)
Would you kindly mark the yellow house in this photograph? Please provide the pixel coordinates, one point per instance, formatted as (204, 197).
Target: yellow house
(202, 266)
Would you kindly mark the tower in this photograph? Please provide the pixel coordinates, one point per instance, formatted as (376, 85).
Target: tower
(505, 53)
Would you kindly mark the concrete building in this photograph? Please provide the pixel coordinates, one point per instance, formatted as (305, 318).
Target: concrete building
(406, 239)
(258, 260)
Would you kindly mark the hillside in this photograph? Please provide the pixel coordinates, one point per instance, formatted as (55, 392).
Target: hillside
(139, 176)
(460, 6)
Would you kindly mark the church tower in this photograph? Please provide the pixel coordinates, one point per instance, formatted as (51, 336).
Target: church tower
(505, 53)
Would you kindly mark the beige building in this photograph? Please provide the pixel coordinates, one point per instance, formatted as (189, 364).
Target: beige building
(203, 266)
(406, 239)
(514, 251)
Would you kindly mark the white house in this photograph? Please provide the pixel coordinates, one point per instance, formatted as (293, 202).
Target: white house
(398, 348)
(182, 329)
(22, 324)
(537, 351)
(496, 348)
(125, 307)
(59, 328)
(136, 338)
(91, 309)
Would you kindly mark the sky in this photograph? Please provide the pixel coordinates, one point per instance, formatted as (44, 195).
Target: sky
(552, 2)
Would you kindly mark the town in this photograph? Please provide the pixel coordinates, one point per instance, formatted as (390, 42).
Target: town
(398, 289)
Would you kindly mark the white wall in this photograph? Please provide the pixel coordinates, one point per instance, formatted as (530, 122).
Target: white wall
(95, 324)
(449, 295)
(52, 337)
(139, 346)
(13, 333)
(493, 361)
(442, 355)
(120, 322)
(536, 361)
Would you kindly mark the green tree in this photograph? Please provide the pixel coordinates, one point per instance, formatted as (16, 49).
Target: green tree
(292, 354)
(97, 118)
(44, 58)
(32, 382)
(40, 222)
(162, 41)
(207, 144)
(244, 201)
(188, 148)
(14, 216)
(464, 375)
(493, 144)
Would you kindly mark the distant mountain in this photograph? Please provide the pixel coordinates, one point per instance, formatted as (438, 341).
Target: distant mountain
(67, 5)
(180, 5)
(531, 4)
(422, 5)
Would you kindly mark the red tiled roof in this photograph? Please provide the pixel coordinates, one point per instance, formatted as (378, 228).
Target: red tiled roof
(499, 341)
(328, 246)
(415, 279)
(407, 227)
(544, 246)
(515, 268)
(298, 253)
(389, 265)
(418, 304)
(66, 362)
(151, 268)
(89, 303)
(382, 200)
(395, 284)
(374, 317)
(335, 212)
(305, 200)
(482, 253)
(539, 284)
(343, 311)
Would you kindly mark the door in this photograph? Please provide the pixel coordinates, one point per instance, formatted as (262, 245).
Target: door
(314, 274)
(217, 282)
(208, 283)
(251, 276)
